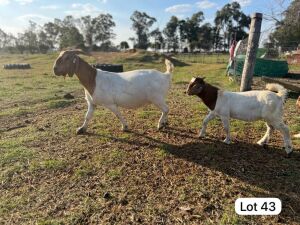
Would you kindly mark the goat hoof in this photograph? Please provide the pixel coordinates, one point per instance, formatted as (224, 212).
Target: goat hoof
(263, 144)
(226, 141)
(289, 154)
(160, 127)
(80, 130)
(289, 151)
(125, 128)
(165, 124)
(201, 135)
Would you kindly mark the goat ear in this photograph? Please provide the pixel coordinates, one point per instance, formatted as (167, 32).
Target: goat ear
(72, 65)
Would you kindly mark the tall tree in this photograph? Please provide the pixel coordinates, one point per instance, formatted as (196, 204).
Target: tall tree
(124, 45)
(171, 34)
(52, 31)
(190, 29)
(103, 29)
(44, 43)
(158, 42)
(141, 23)
(205, 37)
(230, 20)
(30, 38)
(3, 39)
(71, 37)
(287, 31)
(87, 29)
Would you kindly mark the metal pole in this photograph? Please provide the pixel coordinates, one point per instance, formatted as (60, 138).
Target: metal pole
(252, 47)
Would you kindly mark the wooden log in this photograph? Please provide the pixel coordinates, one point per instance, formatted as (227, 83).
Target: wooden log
(283, 83)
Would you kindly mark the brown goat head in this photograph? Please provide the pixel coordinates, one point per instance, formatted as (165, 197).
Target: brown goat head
(298, 102)
(67, 62)
(195, 86)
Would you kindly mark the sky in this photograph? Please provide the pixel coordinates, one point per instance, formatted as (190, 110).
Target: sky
(15, 14)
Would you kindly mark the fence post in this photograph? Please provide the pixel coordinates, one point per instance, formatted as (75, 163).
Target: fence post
(252, 47)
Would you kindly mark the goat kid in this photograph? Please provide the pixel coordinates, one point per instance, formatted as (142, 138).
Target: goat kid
(248, 106)
(131, 89)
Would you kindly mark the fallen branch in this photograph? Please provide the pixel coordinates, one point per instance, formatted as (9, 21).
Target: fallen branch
(283, 83)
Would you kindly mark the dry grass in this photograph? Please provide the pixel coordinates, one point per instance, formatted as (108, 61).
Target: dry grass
(48, 175)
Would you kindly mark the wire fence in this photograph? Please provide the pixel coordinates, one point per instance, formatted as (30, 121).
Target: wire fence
(271, 59)
(204, 58)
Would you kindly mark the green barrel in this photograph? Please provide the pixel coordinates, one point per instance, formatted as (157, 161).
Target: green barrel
(263, 67)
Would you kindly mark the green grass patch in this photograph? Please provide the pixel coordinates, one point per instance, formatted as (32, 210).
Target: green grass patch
(85, 169)
(229, 217)
(50, 222)
(162, 151)
(49, 165)
(59, 104)
(19, 154)
(114, 174)
(145, 114)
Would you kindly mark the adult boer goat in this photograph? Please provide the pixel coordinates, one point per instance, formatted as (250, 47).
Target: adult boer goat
(131, 89)
(248, 106)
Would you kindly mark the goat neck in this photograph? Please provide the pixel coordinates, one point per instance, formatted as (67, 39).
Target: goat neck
(86, 75)
(209, 96)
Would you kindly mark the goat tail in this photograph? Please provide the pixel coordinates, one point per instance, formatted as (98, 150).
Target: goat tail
(281, 91)
(297, 135)
(169, 66)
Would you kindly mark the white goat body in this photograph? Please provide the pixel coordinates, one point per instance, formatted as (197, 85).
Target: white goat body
(248, 106)
(131, 89)
(251, 105)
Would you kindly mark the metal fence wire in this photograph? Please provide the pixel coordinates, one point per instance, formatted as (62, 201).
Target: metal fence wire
(203, 58)
(271, 60)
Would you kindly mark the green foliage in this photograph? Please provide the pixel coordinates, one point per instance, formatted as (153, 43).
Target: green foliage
(70, 36)
(288, 29)
(124, 45)
(190, 29)
(232, 21)
(171, 33)
(69, 32)
(141, 23)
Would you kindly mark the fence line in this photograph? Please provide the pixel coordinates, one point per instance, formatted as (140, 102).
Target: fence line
(204, 58)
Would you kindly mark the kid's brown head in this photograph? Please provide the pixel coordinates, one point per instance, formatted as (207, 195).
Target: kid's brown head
(67, 62)
(196, 86)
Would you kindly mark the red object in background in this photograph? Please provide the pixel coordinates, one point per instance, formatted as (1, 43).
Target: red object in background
(232, 48)
(294, 58)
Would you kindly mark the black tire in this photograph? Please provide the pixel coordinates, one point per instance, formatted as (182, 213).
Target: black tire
(117, 68)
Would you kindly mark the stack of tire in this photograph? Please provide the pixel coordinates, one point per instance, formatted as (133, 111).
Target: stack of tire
(16, 66)
(117, 68)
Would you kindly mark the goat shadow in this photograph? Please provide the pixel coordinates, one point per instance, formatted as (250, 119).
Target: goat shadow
(268, 169)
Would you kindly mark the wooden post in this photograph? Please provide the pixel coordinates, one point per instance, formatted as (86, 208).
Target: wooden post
(253, 41)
